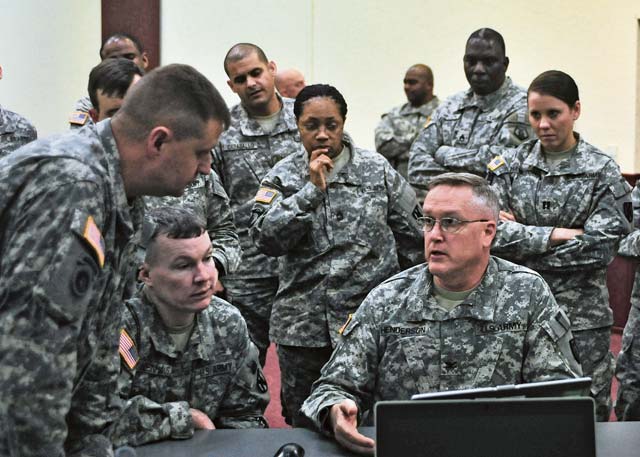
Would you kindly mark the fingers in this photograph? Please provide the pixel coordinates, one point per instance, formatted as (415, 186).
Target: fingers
(344, 420)
(200, 420)
(506, 216)
(319, 164)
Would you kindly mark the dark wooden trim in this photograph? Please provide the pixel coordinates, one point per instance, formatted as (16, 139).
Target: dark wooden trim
(140, 18)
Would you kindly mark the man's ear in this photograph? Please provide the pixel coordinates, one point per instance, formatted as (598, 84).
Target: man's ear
(157, 138)
(93, 113)
(506, 63)
(145, 61)
(490, 231)
(143, 274)
(273, 68)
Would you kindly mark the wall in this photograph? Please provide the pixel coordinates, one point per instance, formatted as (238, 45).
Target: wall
(47, 49)
(363, 47)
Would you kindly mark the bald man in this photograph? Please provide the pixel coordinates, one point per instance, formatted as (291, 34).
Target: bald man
(290, 82)
(400, 126)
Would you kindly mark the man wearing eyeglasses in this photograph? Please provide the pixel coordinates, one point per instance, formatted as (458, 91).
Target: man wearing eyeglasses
(464, 319)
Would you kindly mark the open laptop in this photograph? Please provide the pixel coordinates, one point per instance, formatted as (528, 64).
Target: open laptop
(522, 427)
(572, 387)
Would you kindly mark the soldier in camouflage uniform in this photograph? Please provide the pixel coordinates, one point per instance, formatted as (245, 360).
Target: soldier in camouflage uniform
(564, 205)
(334, 231)
(400, 126)
(117, 45)
(68, 210)
(15, 130)
(207, 198)
(187, 360)
(463, 320)
(263, 131)
(471, 127)
(628, 364)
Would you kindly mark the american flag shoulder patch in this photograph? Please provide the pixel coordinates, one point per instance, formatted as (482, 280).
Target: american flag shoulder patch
(128, 350)
(266, 195)
(93, 236)
(496, 163)
(78, 118)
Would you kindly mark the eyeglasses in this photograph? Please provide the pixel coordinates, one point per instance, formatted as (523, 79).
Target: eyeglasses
(447, 224)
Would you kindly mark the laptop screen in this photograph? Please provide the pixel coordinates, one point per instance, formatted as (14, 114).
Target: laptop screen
(486, 428)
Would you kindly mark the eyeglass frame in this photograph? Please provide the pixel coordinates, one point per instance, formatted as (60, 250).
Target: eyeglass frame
(462, 223)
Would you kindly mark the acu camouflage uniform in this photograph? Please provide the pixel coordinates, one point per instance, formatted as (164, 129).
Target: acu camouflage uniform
(207, 198)
(65, 228)
(628, 363)
(244, 155)
(15, 131)
(334, 246)
(400, 342)
(585, 191)
(397, 130)
(80, 116)
(217, 373)
(467, 131)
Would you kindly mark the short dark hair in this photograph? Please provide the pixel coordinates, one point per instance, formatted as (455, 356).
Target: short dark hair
(113, 77)
(557, 84)
(489, 35)
(122, 36)
(177, 96)
(319, 90)
(174, 222)
(241, 50)
(479, 188)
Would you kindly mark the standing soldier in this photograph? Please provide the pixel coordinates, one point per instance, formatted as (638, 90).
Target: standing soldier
(263, 130)
(400, 126)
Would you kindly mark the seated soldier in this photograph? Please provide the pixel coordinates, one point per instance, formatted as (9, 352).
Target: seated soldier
(462, 320)
(187, 360)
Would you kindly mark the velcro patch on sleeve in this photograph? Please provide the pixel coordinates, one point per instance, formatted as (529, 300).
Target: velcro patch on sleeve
(78, 118)
(93, 236)
(496, 163)
(127, 350)
(266, 195)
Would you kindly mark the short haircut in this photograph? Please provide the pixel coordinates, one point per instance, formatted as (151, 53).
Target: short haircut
(479, 188)
(174, 222)
(489, 35)
(241, 50)
(113, 77)
(319, 90)
(176, 96)
(556, 84)
(424, 69)
(122, 36)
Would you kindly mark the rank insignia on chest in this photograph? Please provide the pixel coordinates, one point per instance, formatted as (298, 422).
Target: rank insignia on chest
(546, 204)
(78, 118)
(128, 350)
(496, 163)
(92, 235)
(266, 195)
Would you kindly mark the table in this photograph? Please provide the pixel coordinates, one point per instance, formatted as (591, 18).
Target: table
(613, 439)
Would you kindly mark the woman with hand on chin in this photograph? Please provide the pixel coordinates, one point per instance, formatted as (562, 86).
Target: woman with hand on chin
(565, 207)
(338, 217)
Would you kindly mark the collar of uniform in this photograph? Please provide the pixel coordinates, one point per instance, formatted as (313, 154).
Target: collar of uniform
(157, 331)
(478, 305)
(6, 126)
(129, 212)
(352, 172)
(286, 121)
(576, 164)
(425, 109)
(486, 102)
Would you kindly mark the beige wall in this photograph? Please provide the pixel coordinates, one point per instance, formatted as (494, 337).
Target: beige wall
(363, 47)
(47, 49)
